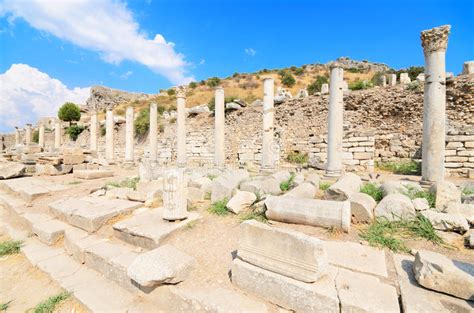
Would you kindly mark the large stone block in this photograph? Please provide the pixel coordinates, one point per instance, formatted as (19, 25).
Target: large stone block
(92, 174)
(285, 252)
(346, 185)
(263, 186)
(447, 222)
(224, 185)
(447, 194)
(305, 190)
(435, 271)
(287, 292)
(11, 170)
(313, 212)
(241, 201)
(362, 207)
(394, 207)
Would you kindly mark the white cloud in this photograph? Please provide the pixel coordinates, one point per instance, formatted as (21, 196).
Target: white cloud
(105, 26)
(126, 75)
(250, 51)
(28, 94)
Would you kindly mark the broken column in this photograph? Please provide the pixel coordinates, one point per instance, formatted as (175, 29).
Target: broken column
(175, 195)
(219, 130)
(324, 89)
(109, 135)
(404, 79)
(153, 133)
(28, 134)
(181, 131)
(41, 135)
(384, 81)
(268, 142)
(57, 134)
(93, 132)
(434, 42)
(17, 136)
(392, 79)
(335, 119)
(129, 134)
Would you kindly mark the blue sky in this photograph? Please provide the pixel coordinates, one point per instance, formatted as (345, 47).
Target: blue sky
(113, 43)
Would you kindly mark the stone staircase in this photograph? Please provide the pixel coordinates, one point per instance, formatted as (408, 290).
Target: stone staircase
(68, 244)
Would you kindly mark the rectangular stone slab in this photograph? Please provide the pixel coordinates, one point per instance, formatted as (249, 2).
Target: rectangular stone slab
(147, 229)
(285, 252)
(92, 174)
(90, 213)
(289, 293)
(30, 188)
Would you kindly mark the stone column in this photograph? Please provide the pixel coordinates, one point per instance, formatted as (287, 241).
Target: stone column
(324, 89)
(129, 134)
(109, 135)
(93, 132)
(41, 135)
(404, 79)
(17, 136)
(57, 134)
(384, 81)
(181, 132)
(392, 79)
(219, 129)
(434, 42)
(268, 141)
(28, 134)
(335, 120)
(153, 132)
(175, 195)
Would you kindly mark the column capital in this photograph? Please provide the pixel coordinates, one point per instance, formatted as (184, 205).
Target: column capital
(435, 39)
(181, 92)
(334, 65)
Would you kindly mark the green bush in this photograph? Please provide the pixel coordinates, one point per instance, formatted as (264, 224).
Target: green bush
(414, 193)
(298, 71)
(69, 112)
(372, 190)
(219, 208)
(142, 122)
(35, 136)
(414, 86)
(411, 167)
(192, 85)
(10, 247)
(74, 131)
(297, 157)
(103, 131)
(213, 82)
(287, 79)
(315, 86)
(288, 184)
(468, 190)
(376, 80)
(414, 71)
(359, 85)
(354, 70)
(212, 103)
(171, 92)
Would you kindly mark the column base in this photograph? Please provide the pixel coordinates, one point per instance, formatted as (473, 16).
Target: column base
(332, 174)
(267, 170)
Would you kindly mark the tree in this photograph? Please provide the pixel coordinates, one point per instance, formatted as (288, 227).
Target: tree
(69, 112)
(315, 86)
(287, 79)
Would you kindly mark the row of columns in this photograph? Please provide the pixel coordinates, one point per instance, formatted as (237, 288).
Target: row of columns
(41, 134)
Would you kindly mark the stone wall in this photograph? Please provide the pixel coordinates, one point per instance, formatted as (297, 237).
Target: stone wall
(459, 152)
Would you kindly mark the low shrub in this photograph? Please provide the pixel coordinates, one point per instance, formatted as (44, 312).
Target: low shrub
(213, 82)
(74, 131)
(192, 85)
(297, 157)
(171, 92)
(10, 247)
(360, 85)
(126, 183)
(35, 137)
(324, 186)
(219, 208)
(414, 193)
(50, 304)
(288, 184)
(315, 86)
(411, 167)
(372, 190)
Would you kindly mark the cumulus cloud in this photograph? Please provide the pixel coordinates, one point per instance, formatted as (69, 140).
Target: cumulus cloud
(28, 94)
(250, 51)
(105, 26)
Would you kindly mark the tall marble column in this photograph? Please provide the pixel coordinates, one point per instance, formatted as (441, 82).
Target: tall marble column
(384, 81)
(57, 134)
(28, 134)
(41, 135)
(181, 132)
(93, 132)
(219, 129)
(335, 122)
(109, 135)
(434, 42)
(268, 141)
(153, 132)
(129, 134)
(17, 136)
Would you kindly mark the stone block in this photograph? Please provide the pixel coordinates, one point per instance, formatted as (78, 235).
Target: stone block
(395, 207)
(285, 252)
(287, 292)
(420, 204)
(447, 194)
(362, 207)
(164, 265)
(50, 231)
(226, 183)
(261, 186)
(363, 155)
(72, 159)
(92, 174)
(240, 201)
(305, 190)
(469, 144)
(447, 222)
(345, 186)
(313, 212)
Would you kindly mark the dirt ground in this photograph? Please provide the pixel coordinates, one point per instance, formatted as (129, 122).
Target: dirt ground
(26, 286)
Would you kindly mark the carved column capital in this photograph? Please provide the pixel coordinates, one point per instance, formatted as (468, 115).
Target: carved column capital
(435, 39)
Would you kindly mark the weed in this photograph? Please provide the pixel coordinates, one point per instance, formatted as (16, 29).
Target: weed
(372, 190)
(411, 167)
(75, 182)
(288, 184)
(211, 177)
(219, 208)
(253, 215)
(191, 225)
(414, 193)
(126, 183)
(49, 304)
(333, 231)
(324, 186)
(10, 247)
(468, 190)
(297, 157)
(4, 306)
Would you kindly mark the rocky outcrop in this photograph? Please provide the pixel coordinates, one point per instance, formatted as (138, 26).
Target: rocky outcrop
(102, 98)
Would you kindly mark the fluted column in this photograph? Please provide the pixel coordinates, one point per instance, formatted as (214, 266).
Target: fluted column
(17, 136)
(93, 132)
(153, 133)
(335, 122)
(41, 135)
(219, 129)
(28, 134)
(109, 135)
(268, 161)
(57, 134)
(181, 132)
(434, 42)
(129, 134)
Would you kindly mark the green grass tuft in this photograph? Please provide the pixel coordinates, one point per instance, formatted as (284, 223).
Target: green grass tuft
(391, 234)
(126, 183)
(297, 157)
(10, 247)
(372, 190)
(4, 306)
(468, 190)
(219, 208)
(49, 304)
(288, 184)
(75, 182)
(253, 215)
(324, 186)
(414, 193)
(411, 167)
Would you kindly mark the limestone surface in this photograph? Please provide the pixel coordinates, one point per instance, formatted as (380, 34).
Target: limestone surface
(435, 271)
(447, 222)
(394, 207)
(226, 183)
(241, 201)
(447, 194)
(285, 252)
(346, 185)
(305, 190)
(362, 207)
(11, 170)
(267, 185)
(92, 174)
